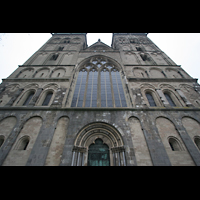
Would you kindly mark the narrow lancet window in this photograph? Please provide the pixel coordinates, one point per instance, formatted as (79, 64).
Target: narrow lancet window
(150, 99)
(28, 99)
(47, 99)
(169, 99)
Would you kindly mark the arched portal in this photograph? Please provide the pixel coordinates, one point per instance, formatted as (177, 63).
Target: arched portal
(94, 139)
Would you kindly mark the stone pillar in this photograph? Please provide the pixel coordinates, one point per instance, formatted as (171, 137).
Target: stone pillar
(114, 160)
(82, 161)
(78, 156)
(35, 97)
(187, 102)
(163, 98)
(78, 159)
(59, 97)
(124, 160)
(119, 156)
(139, 100)
(73, 155)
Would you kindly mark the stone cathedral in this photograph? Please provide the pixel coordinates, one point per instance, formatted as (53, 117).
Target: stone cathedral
(71, 104)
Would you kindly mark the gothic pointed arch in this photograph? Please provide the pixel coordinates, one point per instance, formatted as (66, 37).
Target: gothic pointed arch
(99, 59)
(99, 83)
(88, 135)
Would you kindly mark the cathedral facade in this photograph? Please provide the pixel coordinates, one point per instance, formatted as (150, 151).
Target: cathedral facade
(71, 104)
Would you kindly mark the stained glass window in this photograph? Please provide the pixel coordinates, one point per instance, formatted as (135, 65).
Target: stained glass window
(118, 90)
(79, 91)
(106, 93)
(99, 84)
(91, 95)
(98, 154)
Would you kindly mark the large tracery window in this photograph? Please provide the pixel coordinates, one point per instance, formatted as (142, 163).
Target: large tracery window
(99, 84)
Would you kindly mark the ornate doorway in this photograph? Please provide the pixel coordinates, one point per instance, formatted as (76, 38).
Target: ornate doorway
(98, 144)
(98, 154)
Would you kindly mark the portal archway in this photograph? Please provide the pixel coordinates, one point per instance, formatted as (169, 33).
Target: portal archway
(106, 135)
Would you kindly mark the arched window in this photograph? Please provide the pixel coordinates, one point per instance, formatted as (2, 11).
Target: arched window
(28, 99)
(47, 99)
(169, 99)
(150, 99)
(197, 142)
(23, 143)
(174, 145)
(99, 84)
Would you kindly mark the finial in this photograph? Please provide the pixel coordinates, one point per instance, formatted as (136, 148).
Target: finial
(99, 40)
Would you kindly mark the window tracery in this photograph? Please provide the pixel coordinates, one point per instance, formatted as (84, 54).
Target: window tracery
(99, 84)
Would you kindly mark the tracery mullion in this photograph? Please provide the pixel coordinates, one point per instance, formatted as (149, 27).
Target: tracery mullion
(89, 90)
(109, 91)
(103, 90)
(94, 89)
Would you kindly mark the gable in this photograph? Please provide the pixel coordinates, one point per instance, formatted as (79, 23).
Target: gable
(99, 46)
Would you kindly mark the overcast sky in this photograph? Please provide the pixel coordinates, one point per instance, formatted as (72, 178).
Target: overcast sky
(182, 48)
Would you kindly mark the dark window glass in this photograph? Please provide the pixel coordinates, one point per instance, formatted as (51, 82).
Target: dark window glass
(120, 100)
(54, 57)
(79, 91)
(89, 90)
(23, 143)
(28, 99)
(87, 94)
(150, 100)
(98, 154)
(47, 99)
(174, 145)
(1, 140)
(169, 99)
(103, 90)
(108, 90)
(106, 93)
(197, 142)
(94, 90)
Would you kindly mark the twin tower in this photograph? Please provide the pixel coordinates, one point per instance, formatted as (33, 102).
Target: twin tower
(71, 104)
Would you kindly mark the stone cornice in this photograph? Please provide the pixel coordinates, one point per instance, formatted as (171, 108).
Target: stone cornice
(162, 79)
(36, 79)
(42, 108)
